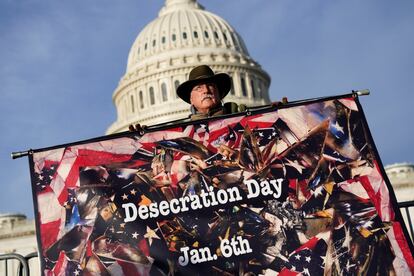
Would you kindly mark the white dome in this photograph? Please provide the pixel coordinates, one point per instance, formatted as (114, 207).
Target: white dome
(183, 25)
(183, 36)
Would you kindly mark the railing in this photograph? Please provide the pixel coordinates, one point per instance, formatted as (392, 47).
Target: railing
(407, 210)
(22, 269)
(23, 264)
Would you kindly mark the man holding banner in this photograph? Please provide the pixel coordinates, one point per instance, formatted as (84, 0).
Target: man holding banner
(298, 190)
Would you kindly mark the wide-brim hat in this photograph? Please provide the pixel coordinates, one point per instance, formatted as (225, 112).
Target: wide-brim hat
(203, 73)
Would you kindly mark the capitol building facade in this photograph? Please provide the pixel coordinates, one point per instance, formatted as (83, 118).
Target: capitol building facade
(184, 35)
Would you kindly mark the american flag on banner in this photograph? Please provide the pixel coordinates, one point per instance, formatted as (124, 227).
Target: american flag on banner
(294, 191)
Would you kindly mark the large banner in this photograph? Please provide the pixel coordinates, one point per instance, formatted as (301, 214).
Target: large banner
(288, 191)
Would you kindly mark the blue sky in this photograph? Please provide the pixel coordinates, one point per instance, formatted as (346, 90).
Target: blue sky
(60, 62)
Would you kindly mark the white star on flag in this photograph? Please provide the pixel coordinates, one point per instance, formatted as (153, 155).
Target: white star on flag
(338, 127)
(295, 165)
(150, 235)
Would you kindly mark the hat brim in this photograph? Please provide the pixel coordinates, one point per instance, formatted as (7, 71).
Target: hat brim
(222, 80)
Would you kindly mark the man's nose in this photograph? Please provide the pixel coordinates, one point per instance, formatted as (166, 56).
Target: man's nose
(205, 88)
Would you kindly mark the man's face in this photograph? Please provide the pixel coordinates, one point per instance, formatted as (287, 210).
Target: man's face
(204, 97)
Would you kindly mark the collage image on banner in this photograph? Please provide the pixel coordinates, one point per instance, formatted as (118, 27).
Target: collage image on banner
(298, 190)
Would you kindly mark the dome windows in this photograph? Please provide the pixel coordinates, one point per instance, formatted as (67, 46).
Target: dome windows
(259, 88)
(216, 35)
(176, 84)
(141, 100)
(185, 28)
(253, 89)
(164, 92)
(132, 104)
(243, 86)
(152, 95)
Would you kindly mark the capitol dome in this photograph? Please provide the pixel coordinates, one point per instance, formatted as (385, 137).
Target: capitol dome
(184, 35)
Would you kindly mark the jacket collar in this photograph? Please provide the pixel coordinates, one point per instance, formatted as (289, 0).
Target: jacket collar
(219, 110)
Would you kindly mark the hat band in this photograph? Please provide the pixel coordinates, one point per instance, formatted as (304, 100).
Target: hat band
(203, 77)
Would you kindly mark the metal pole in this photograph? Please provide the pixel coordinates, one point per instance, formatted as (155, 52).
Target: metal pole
(364, 92)
(18, 154)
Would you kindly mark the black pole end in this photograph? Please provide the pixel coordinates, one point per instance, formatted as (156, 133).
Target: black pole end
(18, 154)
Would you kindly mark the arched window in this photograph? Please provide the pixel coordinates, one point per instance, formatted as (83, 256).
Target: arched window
(206, 34)
(132, 104)
(216, 34)
(163, 39)
(253, 89)
(184, 35)
(195, 34)
(243, 86)
(145, 46)
(259, 88)
(164, 92)
(174, 37)
(152, 96)
(153, 43)
(141, 99)
(176, 84)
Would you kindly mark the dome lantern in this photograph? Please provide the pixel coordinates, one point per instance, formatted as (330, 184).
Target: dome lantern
(174, 5)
